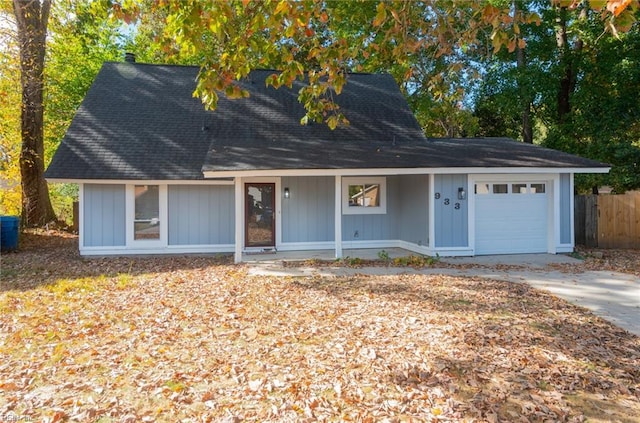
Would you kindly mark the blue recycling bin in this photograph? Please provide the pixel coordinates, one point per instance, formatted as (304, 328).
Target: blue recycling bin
(9, 229)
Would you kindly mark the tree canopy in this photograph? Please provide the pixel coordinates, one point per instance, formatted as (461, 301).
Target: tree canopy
(562, 73)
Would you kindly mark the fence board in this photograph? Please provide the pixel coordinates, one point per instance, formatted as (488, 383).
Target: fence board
(586, 220)
(619, 220)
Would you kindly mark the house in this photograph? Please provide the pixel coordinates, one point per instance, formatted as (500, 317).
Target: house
(159, 174)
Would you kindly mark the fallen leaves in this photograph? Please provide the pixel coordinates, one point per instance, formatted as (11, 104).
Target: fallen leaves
(197, 339)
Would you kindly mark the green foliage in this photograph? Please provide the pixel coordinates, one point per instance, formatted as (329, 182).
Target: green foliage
(81, 37)
(10, 192)
(600, 118)
(384, 256)
(416, 261)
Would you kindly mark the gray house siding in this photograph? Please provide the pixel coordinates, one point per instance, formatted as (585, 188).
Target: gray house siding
(201, 214)
(307, 215)
(451, 221)
(104, 215)
(565, 208)
(413, 216)
(371, 227)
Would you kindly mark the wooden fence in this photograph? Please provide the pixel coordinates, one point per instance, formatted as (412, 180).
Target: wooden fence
(607, 220)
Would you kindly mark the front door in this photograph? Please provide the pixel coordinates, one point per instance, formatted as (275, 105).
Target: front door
(260, 222)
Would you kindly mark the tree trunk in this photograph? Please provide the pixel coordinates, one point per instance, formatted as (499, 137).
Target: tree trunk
(567, 59)
(521, 63)
(31, 18)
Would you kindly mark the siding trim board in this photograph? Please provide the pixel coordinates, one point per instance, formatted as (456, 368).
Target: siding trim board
(399, 171)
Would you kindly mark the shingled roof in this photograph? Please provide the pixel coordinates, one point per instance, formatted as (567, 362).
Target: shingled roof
(141, 122)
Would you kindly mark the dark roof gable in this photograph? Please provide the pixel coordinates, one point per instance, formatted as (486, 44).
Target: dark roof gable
(141, 122)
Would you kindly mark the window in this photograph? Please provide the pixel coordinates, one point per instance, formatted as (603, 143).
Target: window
(500, 188)
(364, 195)
(537, 188)
(519, 188)
(482, 189)
(146, 223)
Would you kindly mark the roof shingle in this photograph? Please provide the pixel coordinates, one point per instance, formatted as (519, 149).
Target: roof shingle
(141, 122)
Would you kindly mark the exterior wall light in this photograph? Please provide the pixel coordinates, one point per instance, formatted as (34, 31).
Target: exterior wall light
(461, 194)
(287, 194)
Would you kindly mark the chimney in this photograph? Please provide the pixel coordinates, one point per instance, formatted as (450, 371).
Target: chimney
(130, 57)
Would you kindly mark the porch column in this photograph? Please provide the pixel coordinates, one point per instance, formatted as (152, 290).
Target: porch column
(554, 215)
(338, 216)
(237, 257)
(432, 213)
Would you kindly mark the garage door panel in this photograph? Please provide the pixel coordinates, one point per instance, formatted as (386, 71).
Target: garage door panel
(511, 223)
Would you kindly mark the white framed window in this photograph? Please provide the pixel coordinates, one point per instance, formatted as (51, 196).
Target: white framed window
(147, 215)
(364, 195)
(146, 209)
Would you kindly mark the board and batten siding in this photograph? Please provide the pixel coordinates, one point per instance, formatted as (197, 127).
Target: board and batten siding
(413, 216)
(374, 227)
(104, 222)
(451, 213)
(201, 214)
(307, 215)
(565, 208)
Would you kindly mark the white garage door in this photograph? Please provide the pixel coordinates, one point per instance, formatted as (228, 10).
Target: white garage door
(511, 217)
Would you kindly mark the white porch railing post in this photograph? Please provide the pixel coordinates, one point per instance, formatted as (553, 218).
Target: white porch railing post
(338, 216)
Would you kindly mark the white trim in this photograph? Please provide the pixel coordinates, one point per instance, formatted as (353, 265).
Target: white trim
(374, 243)
(381, 181)
(454, 252)
(564, 248)
(302, 246)
(572, 211)
(432, 212)
(337, 219)
(239, 219)
(420, 249)
(81, 216)
(390, 243)
(471, 212)
(401, 171)
(553, 224)
(172, 249)
(226, 181)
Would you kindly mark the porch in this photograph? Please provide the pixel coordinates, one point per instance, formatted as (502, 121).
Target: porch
(323, 255)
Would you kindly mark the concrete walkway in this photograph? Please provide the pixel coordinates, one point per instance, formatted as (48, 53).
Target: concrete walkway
(610, 295)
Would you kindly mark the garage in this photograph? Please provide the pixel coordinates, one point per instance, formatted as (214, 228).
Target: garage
(511, 217)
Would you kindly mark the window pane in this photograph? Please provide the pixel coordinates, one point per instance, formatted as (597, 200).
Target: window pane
(482, 189)
(364, 195)
(537, 188)
(147, 212)
(500, 188)
(356, 195)
(372, 195)
(519, 188)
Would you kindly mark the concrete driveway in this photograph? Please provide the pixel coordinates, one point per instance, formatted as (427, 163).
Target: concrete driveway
(610, 295)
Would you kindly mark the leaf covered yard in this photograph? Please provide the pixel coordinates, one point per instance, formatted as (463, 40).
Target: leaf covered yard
(197, 339)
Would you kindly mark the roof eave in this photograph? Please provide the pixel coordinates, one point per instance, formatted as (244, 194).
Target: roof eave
(400, 171)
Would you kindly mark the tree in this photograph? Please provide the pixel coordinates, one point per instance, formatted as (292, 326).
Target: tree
(574, 75)
(234, 36)
(31, 19)
(80, 37)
